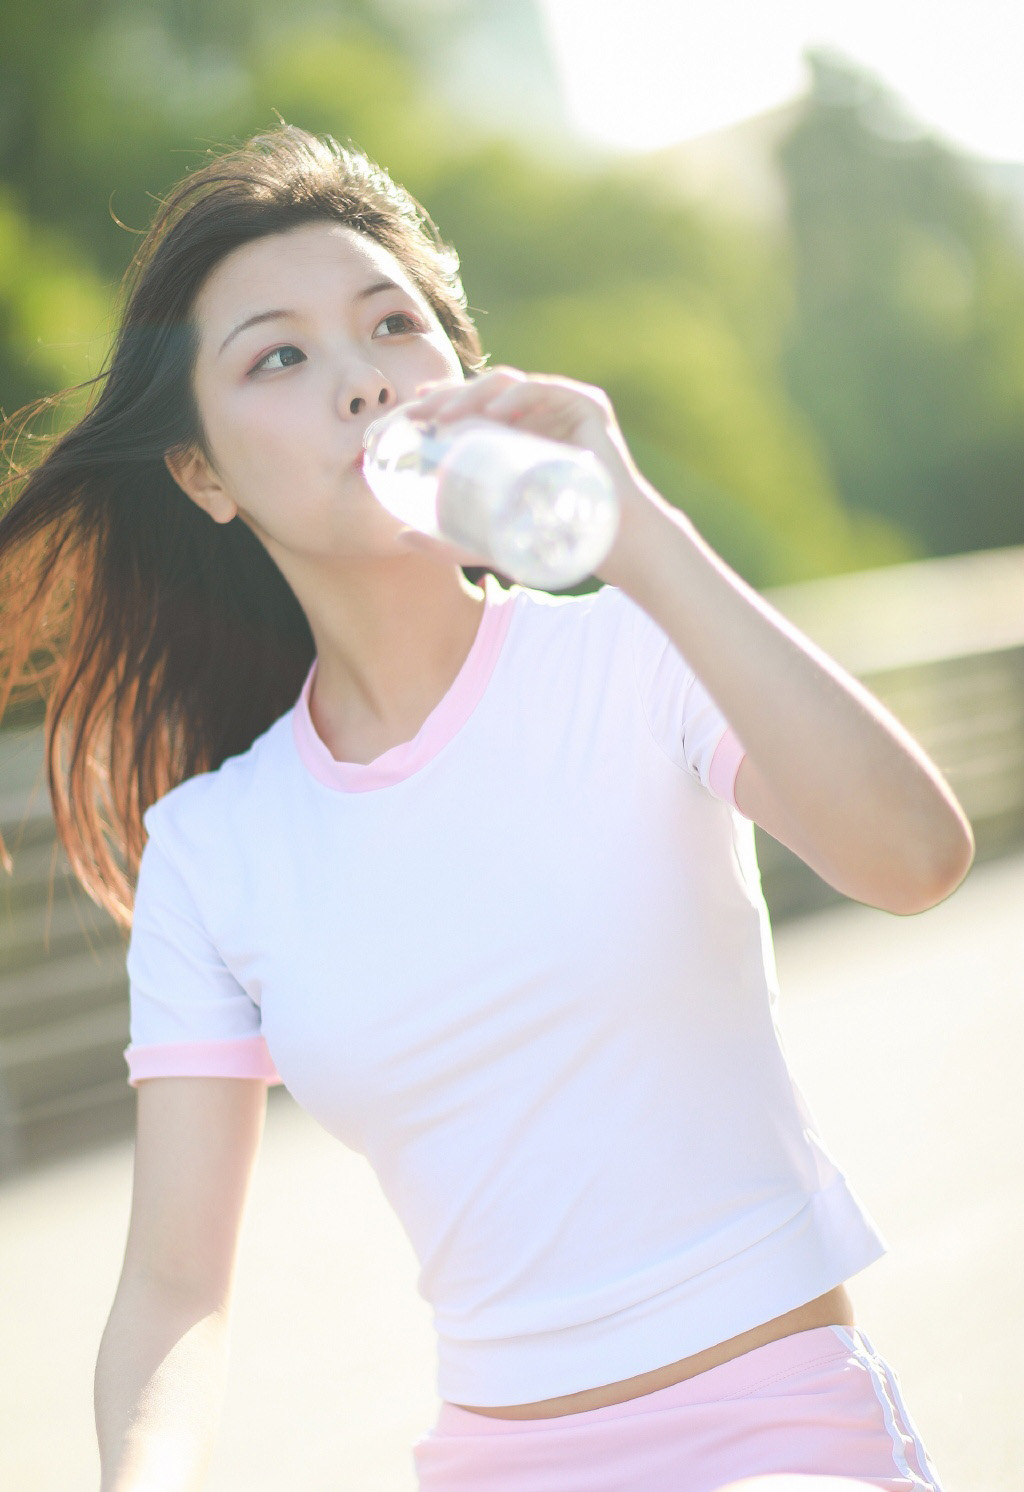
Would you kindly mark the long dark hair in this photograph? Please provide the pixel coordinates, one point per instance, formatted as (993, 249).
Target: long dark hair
(162, 642)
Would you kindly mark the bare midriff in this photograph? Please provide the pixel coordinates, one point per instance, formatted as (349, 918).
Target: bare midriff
(834, 1308)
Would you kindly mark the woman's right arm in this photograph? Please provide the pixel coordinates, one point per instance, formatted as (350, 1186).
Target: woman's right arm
(161, 1370)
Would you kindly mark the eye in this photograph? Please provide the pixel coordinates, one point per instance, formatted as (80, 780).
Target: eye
(411, 324)
(277, 352)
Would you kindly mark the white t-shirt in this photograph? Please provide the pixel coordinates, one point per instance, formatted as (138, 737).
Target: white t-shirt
(523, 964)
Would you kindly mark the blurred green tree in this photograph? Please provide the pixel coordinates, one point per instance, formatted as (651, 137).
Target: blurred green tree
(706, 335)
(906, 346)
(679, 318)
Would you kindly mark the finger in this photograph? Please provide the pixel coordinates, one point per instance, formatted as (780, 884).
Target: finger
(428, 394)
(459, 400)
(527, 398)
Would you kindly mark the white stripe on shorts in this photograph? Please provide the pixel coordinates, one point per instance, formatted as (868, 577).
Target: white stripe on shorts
(891, 1401)
(923, 1458)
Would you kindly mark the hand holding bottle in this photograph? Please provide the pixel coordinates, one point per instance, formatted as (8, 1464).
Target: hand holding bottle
(540, 511)
(554, 512)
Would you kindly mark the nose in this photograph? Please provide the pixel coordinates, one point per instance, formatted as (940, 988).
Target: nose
(371, 391)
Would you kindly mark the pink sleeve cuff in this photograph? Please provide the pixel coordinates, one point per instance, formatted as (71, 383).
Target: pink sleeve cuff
(247, 1057)
(724, 766)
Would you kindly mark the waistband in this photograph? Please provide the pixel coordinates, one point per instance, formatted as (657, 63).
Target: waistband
(729, 1380)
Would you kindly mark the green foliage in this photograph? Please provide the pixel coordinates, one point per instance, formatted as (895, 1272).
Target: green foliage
(54, 311)
(680, 321)
(850, 397)
(906, 347)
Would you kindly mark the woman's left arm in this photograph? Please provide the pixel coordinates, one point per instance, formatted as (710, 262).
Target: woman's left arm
(828, 771)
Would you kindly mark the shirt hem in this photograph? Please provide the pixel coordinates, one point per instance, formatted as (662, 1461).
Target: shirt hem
(242, 1057)
(828, 1241)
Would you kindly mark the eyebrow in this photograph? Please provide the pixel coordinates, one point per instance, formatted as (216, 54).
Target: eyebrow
(360, 295)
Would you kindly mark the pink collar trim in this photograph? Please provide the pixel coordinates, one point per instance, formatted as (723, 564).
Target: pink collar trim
(441, 725)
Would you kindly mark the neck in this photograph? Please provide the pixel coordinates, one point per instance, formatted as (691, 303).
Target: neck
(389, 646)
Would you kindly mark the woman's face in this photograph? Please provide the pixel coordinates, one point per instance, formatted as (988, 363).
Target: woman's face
(305, 337)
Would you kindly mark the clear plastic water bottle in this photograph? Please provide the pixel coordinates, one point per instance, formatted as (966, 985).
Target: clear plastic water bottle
(543, 513)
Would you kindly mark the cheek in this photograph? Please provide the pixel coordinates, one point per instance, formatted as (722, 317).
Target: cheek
(438, 350)
(261, 438)
(264, 461)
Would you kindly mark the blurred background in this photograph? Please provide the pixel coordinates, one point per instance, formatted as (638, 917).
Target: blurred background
(789, 243)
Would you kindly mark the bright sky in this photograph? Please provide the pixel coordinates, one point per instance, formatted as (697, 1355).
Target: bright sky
(646, 73)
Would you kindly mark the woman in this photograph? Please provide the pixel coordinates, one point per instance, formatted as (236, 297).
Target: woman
(470, 868)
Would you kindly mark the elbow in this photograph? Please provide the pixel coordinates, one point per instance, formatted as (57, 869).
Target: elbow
(936, 870)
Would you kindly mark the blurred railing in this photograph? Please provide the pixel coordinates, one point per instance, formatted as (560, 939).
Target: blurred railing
(941, 642)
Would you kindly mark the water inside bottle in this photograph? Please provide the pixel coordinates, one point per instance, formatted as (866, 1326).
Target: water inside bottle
(545, 513)
(400, 468)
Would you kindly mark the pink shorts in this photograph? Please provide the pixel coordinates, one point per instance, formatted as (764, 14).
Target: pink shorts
(820, 1401)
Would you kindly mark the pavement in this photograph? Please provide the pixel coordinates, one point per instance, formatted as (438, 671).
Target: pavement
(906, 1036)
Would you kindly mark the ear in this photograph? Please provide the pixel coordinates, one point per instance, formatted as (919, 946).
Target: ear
(197, 479)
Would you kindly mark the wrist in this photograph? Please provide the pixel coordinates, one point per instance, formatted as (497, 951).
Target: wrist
(650, 530)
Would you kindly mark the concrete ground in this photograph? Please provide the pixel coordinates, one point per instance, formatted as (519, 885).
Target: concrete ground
(906, 1037)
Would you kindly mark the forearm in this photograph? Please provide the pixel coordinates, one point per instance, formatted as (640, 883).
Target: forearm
(829, 770)
(161, 1373)
(861, 797)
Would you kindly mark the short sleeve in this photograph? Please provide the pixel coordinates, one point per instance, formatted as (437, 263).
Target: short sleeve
(189, 1016)
(683, 718)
